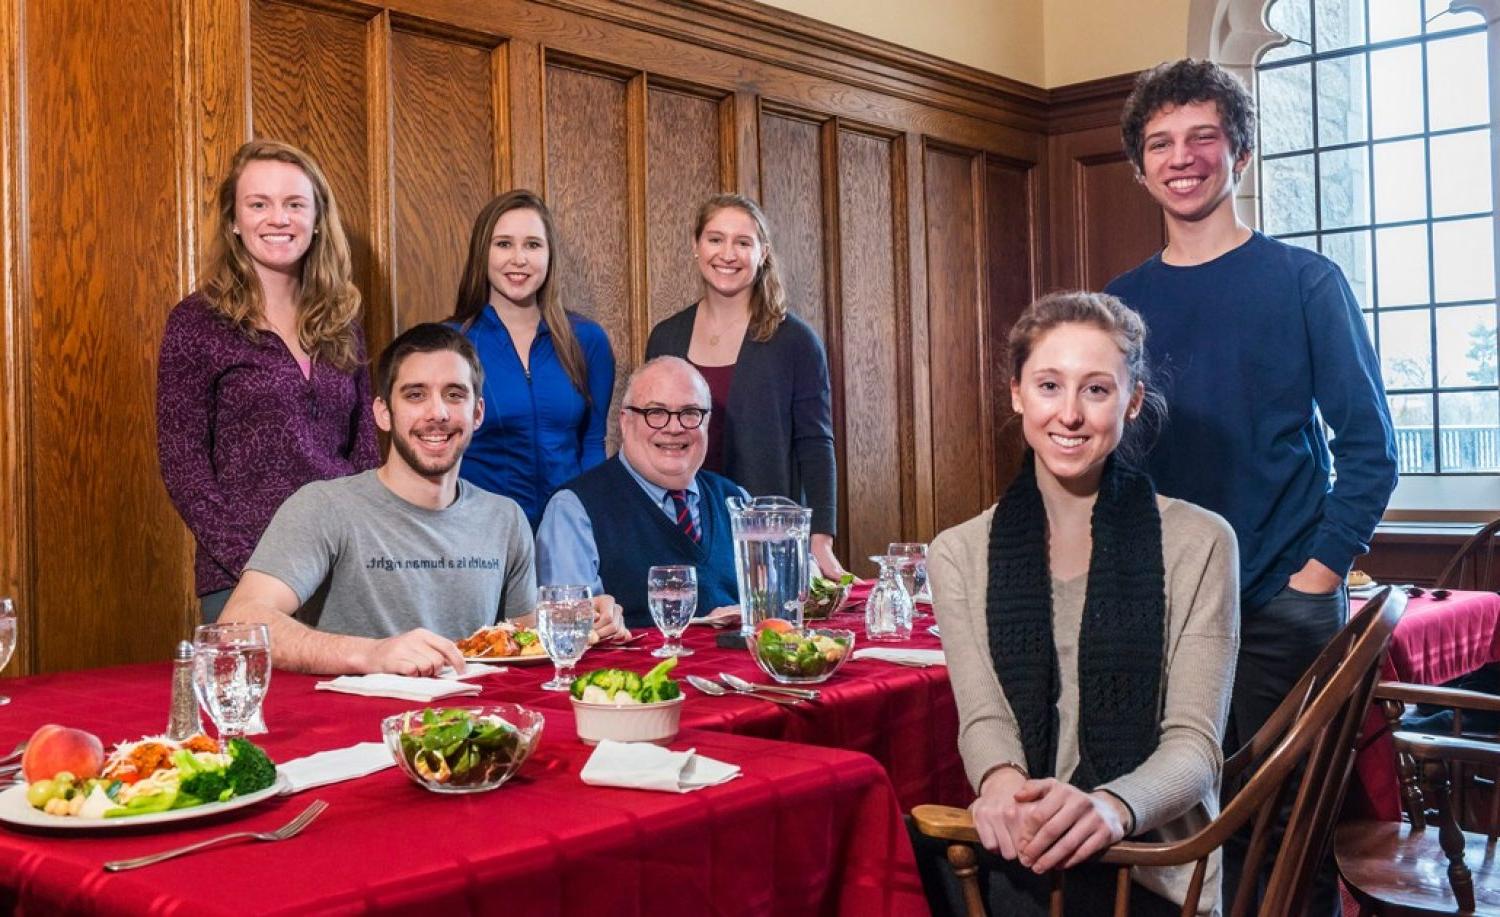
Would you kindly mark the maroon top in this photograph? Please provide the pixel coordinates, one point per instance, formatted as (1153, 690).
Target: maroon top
(719, 379)
(238, 429)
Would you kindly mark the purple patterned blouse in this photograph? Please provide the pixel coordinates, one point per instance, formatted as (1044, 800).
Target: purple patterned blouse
(238, 429)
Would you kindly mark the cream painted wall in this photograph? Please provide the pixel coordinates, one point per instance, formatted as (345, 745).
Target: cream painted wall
(1042, 42)
(1088, 39)
(1001, 36)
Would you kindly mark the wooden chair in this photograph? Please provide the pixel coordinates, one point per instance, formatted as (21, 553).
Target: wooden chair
(1315, 728)
(1403, 868)
(1473, 564)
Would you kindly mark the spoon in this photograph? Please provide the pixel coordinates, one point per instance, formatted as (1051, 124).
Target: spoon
(740, 684)
(714, 689)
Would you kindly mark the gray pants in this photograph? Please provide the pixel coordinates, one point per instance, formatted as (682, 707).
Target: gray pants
(1278, 641)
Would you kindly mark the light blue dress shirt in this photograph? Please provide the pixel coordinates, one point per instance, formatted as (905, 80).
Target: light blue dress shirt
(565, 550)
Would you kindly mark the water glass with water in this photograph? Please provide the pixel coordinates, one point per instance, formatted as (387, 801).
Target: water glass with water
(914, 569)
(231, 673)
(888, 610)
(672, 592)
(7, 637)
(564, 620)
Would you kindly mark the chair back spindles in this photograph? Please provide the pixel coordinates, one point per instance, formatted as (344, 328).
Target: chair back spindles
(1473, 564)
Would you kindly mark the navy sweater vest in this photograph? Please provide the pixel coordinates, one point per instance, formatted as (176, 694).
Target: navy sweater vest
(632, 535)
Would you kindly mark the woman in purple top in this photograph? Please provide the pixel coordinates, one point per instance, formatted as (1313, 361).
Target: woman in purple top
(262, 385)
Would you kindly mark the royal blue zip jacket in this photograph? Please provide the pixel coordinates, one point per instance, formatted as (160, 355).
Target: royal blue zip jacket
(538, 431)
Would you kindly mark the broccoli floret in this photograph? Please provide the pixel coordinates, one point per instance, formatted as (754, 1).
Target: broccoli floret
(249, 769)
(656, 686)
(207, 786)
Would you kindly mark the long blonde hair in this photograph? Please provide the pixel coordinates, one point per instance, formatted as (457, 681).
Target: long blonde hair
(327, 300)
(474, 286)
(768, 295)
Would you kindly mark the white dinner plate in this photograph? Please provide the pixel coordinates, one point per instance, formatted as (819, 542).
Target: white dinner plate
(15, 810)
(1364, 591)
(510, 660)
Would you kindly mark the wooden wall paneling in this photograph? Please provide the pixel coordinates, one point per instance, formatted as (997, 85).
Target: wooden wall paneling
(15, 346)
(953, 296)
(1010, 209)
(791, 181)
(520, 74)
(632, 349)
(741, 154)
(873, 338)
(910, 206)
(833, 325)
(310, 86)
(102, 150)
(1102, 221)
(442, 93)
(381, 323)
(589, 194)
(684, 167)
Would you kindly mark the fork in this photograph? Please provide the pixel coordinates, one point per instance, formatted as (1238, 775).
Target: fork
(290, 829)
(15, 753)
(714, 689)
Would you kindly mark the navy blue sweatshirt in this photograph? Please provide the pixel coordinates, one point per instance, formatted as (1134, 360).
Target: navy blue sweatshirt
(1248, 349)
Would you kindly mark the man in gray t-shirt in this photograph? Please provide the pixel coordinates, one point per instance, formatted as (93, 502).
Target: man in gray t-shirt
(382, 571)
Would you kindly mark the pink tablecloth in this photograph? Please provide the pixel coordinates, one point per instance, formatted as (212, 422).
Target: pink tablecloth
(806, 830)
(1435, 641)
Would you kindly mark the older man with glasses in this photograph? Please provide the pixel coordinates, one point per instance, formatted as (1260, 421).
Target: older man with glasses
(651, 504)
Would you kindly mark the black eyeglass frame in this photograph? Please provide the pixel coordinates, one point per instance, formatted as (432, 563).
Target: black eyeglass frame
(668, 415)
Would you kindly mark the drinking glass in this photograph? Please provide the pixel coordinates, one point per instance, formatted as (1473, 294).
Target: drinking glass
(888, 609)
(231, 673)
(7, 637)
(564, 619)
(672, 592)
(914, 570)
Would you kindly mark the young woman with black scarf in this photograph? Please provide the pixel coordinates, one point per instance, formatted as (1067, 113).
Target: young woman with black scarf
(1090, 627)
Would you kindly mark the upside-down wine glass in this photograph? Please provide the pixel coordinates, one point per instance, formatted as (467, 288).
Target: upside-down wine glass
(672, 592)
(913, 569)
(564, 619)
(7, 637)
(231, 674)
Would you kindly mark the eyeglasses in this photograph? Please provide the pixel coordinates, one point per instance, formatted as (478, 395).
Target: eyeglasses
(658, 418)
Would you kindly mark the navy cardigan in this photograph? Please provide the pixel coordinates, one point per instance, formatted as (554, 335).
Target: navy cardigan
(778, 437)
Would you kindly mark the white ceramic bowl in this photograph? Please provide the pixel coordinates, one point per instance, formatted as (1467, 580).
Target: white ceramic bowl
(628, 723)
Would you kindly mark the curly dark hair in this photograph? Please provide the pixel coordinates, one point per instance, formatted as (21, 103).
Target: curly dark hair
(1181, 83)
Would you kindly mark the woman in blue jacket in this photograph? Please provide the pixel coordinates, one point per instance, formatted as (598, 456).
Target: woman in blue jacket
(548, 373)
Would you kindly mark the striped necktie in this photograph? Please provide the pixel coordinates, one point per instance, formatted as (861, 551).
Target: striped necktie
(684, 515)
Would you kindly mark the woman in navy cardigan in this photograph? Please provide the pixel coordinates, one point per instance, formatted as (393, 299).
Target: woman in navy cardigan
(771, 429)
(548, 373)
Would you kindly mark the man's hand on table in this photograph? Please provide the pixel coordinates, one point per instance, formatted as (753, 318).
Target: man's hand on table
(609, 620)
(1315, 579)
(416, 652)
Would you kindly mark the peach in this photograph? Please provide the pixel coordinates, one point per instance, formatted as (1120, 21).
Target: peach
(52, 749)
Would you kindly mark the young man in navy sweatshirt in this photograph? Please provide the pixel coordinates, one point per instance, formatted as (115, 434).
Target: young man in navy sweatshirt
(1260, 345)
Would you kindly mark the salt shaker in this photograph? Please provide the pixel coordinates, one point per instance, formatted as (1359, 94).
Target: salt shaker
(184, 722)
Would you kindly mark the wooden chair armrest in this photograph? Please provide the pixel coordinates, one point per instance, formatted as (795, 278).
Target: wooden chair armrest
(1446, 748)
(1408, 693)
(945, 823)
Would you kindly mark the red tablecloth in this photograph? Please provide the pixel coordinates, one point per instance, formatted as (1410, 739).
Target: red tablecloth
(806, 830)
(1434, 642)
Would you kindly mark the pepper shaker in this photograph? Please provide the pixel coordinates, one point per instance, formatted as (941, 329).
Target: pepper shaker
(184, 722)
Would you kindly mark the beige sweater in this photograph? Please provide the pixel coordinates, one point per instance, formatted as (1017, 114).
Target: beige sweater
(1176, 789)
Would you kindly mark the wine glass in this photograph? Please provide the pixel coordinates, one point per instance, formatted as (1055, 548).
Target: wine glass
(231, 673)
(888, 610)
(564, 619)
(913, 569)
(7, 637)
(672, 592)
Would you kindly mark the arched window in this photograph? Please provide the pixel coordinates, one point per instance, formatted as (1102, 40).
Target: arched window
(1377, 148)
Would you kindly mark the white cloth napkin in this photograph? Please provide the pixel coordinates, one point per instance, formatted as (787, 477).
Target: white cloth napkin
(643, 766)
(907, 657)
(404, 687)
(334, 765)
(472, 670)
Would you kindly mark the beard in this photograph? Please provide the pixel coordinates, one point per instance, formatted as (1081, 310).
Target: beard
(428, 468)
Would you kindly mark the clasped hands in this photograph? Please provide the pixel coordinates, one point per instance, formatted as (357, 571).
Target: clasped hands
(1045, 824)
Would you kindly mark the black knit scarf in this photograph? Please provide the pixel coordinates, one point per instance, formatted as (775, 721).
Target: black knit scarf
(1121, 638)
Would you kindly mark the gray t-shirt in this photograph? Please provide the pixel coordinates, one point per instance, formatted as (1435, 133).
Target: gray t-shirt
(366, 563)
